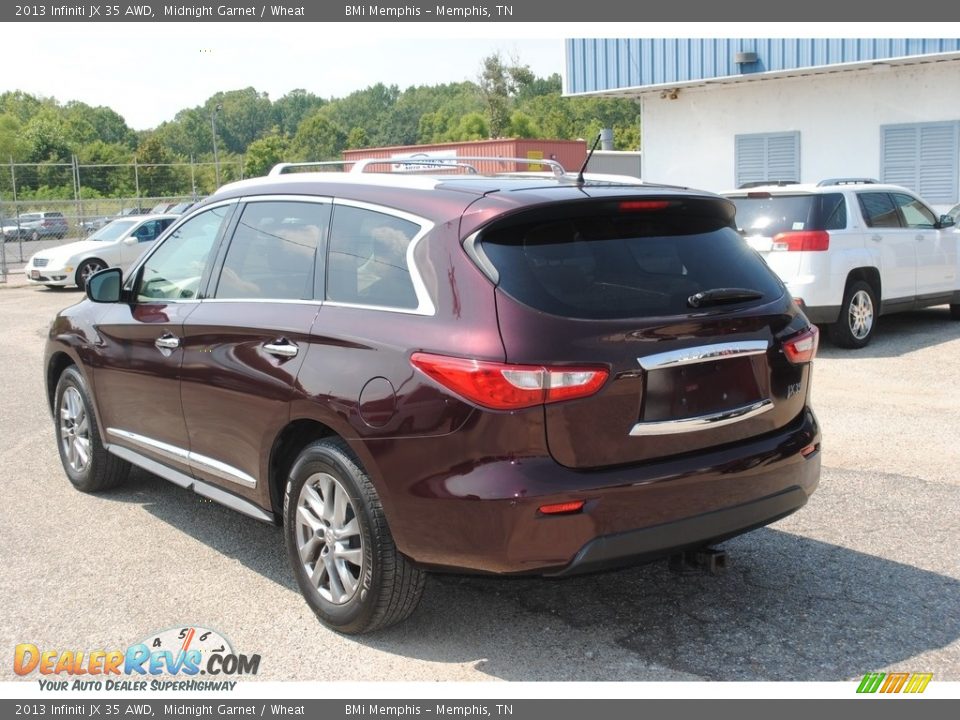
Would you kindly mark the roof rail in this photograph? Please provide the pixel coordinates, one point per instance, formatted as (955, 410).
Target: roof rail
(764, 183)
(847, 181)
(424, 164)
(429, 163)
(281, 168)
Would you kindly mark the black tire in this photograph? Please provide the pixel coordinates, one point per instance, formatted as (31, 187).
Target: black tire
(35, 235)
(102, 470)
(387, 587)
(853, 329)
(87, 268)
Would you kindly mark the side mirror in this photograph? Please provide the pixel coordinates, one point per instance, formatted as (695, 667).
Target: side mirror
(131, 240)
(946, 221)
(104, 286)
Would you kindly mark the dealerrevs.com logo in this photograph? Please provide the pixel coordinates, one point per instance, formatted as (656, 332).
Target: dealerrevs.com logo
(184, 653)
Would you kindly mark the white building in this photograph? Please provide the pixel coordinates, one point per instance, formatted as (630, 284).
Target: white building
(720, 113)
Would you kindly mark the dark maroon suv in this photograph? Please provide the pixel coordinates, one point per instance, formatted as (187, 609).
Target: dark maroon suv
(502, 374)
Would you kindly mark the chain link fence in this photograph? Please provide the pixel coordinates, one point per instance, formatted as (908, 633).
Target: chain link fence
(48, 204)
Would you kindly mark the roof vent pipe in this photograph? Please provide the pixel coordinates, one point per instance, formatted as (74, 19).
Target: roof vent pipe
(606, 139)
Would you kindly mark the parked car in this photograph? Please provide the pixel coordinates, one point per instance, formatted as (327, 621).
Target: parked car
(522, 375)
(34, 226)
(92, 224)
(851, 249)
(954, 213)
(118, 244)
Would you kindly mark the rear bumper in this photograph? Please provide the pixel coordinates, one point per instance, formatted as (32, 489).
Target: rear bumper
(484, 516)
(656, 542)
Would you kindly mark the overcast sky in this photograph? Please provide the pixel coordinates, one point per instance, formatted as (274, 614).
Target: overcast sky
(149, 72)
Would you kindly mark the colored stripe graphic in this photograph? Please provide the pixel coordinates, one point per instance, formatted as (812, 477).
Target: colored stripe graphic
(918, 683)
(870, 682)
(894, 682)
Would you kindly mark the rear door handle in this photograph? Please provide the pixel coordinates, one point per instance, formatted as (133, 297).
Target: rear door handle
(876, 238)
(282, 348)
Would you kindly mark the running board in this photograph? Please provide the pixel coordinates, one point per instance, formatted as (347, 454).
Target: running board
(188, 482)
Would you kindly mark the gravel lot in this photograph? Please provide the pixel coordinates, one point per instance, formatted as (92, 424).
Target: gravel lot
(865, 578)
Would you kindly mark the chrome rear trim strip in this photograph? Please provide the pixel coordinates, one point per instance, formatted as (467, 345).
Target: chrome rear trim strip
(702, 422)
(703, 353)
(185, 481)
(195, 461)
(221, 470)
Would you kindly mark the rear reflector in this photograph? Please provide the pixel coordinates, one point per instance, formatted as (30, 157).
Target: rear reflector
(563, 508)
(628, 205)
(802, 348)
(501, 386)
(802, 240)
(810, 449)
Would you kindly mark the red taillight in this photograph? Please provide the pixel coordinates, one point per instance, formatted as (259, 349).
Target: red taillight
(797, 240)
(628, 205)
(803, 347)
(501, 386)
(563, 508)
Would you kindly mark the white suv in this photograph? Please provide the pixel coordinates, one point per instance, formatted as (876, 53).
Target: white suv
(851, 249)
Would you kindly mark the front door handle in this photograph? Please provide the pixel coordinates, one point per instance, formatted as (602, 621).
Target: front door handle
(876, 238)
(282, 348)
(167, 342)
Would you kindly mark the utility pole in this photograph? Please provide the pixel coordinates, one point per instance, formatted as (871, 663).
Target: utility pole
(213, 131)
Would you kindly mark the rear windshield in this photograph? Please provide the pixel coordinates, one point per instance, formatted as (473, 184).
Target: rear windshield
(768, 215)
(623, 264)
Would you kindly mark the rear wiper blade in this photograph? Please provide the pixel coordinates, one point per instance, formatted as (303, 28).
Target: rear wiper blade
(717, 296)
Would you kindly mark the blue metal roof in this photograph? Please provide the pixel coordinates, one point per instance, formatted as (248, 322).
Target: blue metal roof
(598, 64)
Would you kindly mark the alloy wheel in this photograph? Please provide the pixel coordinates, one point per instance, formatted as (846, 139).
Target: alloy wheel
(861, 314)
(74, 430)
(328, 538)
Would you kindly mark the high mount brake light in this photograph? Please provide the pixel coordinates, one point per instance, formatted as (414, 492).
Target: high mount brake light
(640, 205)
(802, 348)
(502, 386)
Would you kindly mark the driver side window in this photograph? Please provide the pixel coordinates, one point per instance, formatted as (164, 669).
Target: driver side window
(175, 270)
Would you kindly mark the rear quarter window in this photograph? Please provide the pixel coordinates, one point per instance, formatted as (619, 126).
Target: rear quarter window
(613, 264)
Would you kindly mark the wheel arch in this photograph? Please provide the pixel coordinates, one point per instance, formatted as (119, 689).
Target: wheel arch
(869, 275)
(288, 444)
(83, 261)
(58, 362)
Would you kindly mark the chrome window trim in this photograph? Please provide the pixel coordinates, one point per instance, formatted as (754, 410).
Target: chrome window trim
(279, 301)
(702, 422)
(321, 199)
(195, 461)
(703, 353)
(425, 304)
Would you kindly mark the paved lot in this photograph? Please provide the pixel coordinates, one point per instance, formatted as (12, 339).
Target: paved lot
(866, 577)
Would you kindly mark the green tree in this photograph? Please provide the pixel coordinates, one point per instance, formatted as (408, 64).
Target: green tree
(264, 153)
(499, 85)
(157, 179)
(318, 138)
(290, 110)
